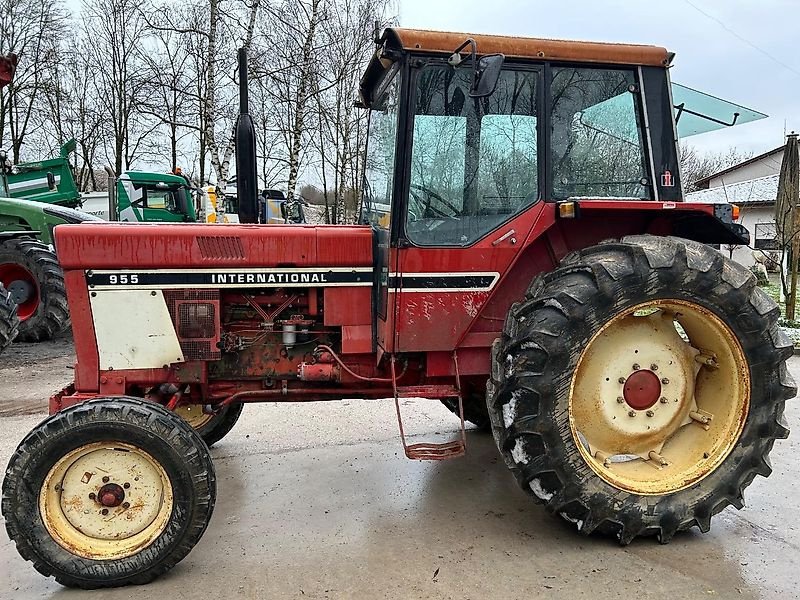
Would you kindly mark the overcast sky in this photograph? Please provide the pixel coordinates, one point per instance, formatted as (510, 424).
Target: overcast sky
(745, 51)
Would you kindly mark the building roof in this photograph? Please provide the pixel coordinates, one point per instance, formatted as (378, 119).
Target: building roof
(749, 161)
(417, 40)
(762, 190)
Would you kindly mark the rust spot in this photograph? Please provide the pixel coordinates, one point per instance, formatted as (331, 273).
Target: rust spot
(73, 503)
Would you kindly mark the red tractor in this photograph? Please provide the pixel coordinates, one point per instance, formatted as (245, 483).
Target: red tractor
(540, 274)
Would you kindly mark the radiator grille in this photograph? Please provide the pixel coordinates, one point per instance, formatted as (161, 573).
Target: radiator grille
(195, 314)
(196, 320)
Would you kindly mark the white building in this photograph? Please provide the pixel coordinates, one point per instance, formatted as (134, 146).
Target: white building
(753, 186)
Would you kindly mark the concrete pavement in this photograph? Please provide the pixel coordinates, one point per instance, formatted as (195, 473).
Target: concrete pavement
(318, 501)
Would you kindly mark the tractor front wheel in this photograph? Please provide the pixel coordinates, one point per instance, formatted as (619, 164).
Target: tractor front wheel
(212, 427)
(639, 388)
(9, 323)
(108, 492)
(30, 272)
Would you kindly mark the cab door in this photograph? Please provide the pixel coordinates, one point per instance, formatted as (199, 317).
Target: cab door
(381, 185)
(473, 196)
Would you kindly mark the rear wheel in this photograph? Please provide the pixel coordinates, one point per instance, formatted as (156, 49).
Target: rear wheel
(212, 427)
(474, 409)
(107, 493)
(640, 387)
(30, 272)
(9, 323)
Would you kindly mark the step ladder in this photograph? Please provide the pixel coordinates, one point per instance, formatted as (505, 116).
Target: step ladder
(428, 450)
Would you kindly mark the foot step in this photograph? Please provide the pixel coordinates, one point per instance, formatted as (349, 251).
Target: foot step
(435, 392)
(427, 451)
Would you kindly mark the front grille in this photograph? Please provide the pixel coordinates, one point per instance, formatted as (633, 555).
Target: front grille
(196, 320)
(195, 315)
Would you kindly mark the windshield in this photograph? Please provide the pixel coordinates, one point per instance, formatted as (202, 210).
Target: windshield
(160, 197)
(474, 161)
(596, 133)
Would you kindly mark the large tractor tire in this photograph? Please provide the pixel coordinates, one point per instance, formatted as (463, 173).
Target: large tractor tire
(474, 409)
(639, 388)
(108, 492)
(30, 272)
(211, 427)
(9, 323)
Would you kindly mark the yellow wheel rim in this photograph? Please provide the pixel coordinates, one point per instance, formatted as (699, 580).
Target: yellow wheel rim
(193, 414)
(659, 397)
(106, 500)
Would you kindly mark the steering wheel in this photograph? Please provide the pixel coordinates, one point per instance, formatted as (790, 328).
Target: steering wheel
(428, 209)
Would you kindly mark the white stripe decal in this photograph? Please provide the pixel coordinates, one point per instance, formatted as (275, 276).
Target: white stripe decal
(417, 282)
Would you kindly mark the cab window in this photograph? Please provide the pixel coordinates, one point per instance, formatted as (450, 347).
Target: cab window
(596, 135)
(474, 161)
(380, 157)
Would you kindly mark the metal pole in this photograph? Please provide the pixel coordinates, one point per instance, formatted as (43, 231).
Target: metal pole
(112, 194)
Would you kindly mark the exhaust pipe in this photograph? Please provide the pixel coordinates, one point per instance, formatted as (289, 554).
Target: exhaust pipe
(112, 194)
(246, 182)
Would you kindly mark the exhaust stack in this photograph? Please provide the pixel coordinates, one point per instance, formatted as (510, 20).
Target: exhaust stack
(247, 183)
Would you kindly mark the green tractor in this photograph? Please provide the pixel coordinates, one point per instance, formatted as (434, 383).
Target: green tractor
(29, 271)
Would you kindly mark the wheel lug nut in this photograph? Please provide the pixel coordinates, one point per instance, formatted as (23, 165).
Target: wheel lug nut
(664, 380)
(105, 479)
(631, 413)
(126, 485)
(654, 367)
(650, 413)
(104, 511)
(636, 366)
(663, 400)
(621, 380)
(126, 505)
(620, 399)
(92, 496)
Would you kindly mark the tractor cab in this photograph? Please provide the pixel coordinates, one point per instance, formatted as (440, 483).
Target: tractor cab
(474, 139)
(151, 197)
(466, 134)
(275, 208)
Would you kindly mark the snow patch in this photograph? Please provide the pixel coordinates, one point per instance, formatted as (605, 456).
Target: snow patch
(518, 453)
(529, 346)
(510, 409)
(539, 491)
(577, 522)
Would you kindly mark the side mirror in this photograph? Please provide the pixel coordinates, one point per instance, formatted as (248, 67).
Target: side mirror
(51, 181)
(486, 75)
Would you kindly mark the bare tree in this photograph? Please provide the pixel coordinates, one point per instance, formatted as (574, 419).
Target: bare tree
(696, 165)
(32, 29)
(221, 155)
(116, 29)
(291, 88)
(168, 85)
(341, 136)
(75, 113)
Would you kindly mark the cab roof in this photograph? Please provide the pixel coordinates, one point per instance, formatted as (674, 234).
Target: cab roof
(418, 41)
